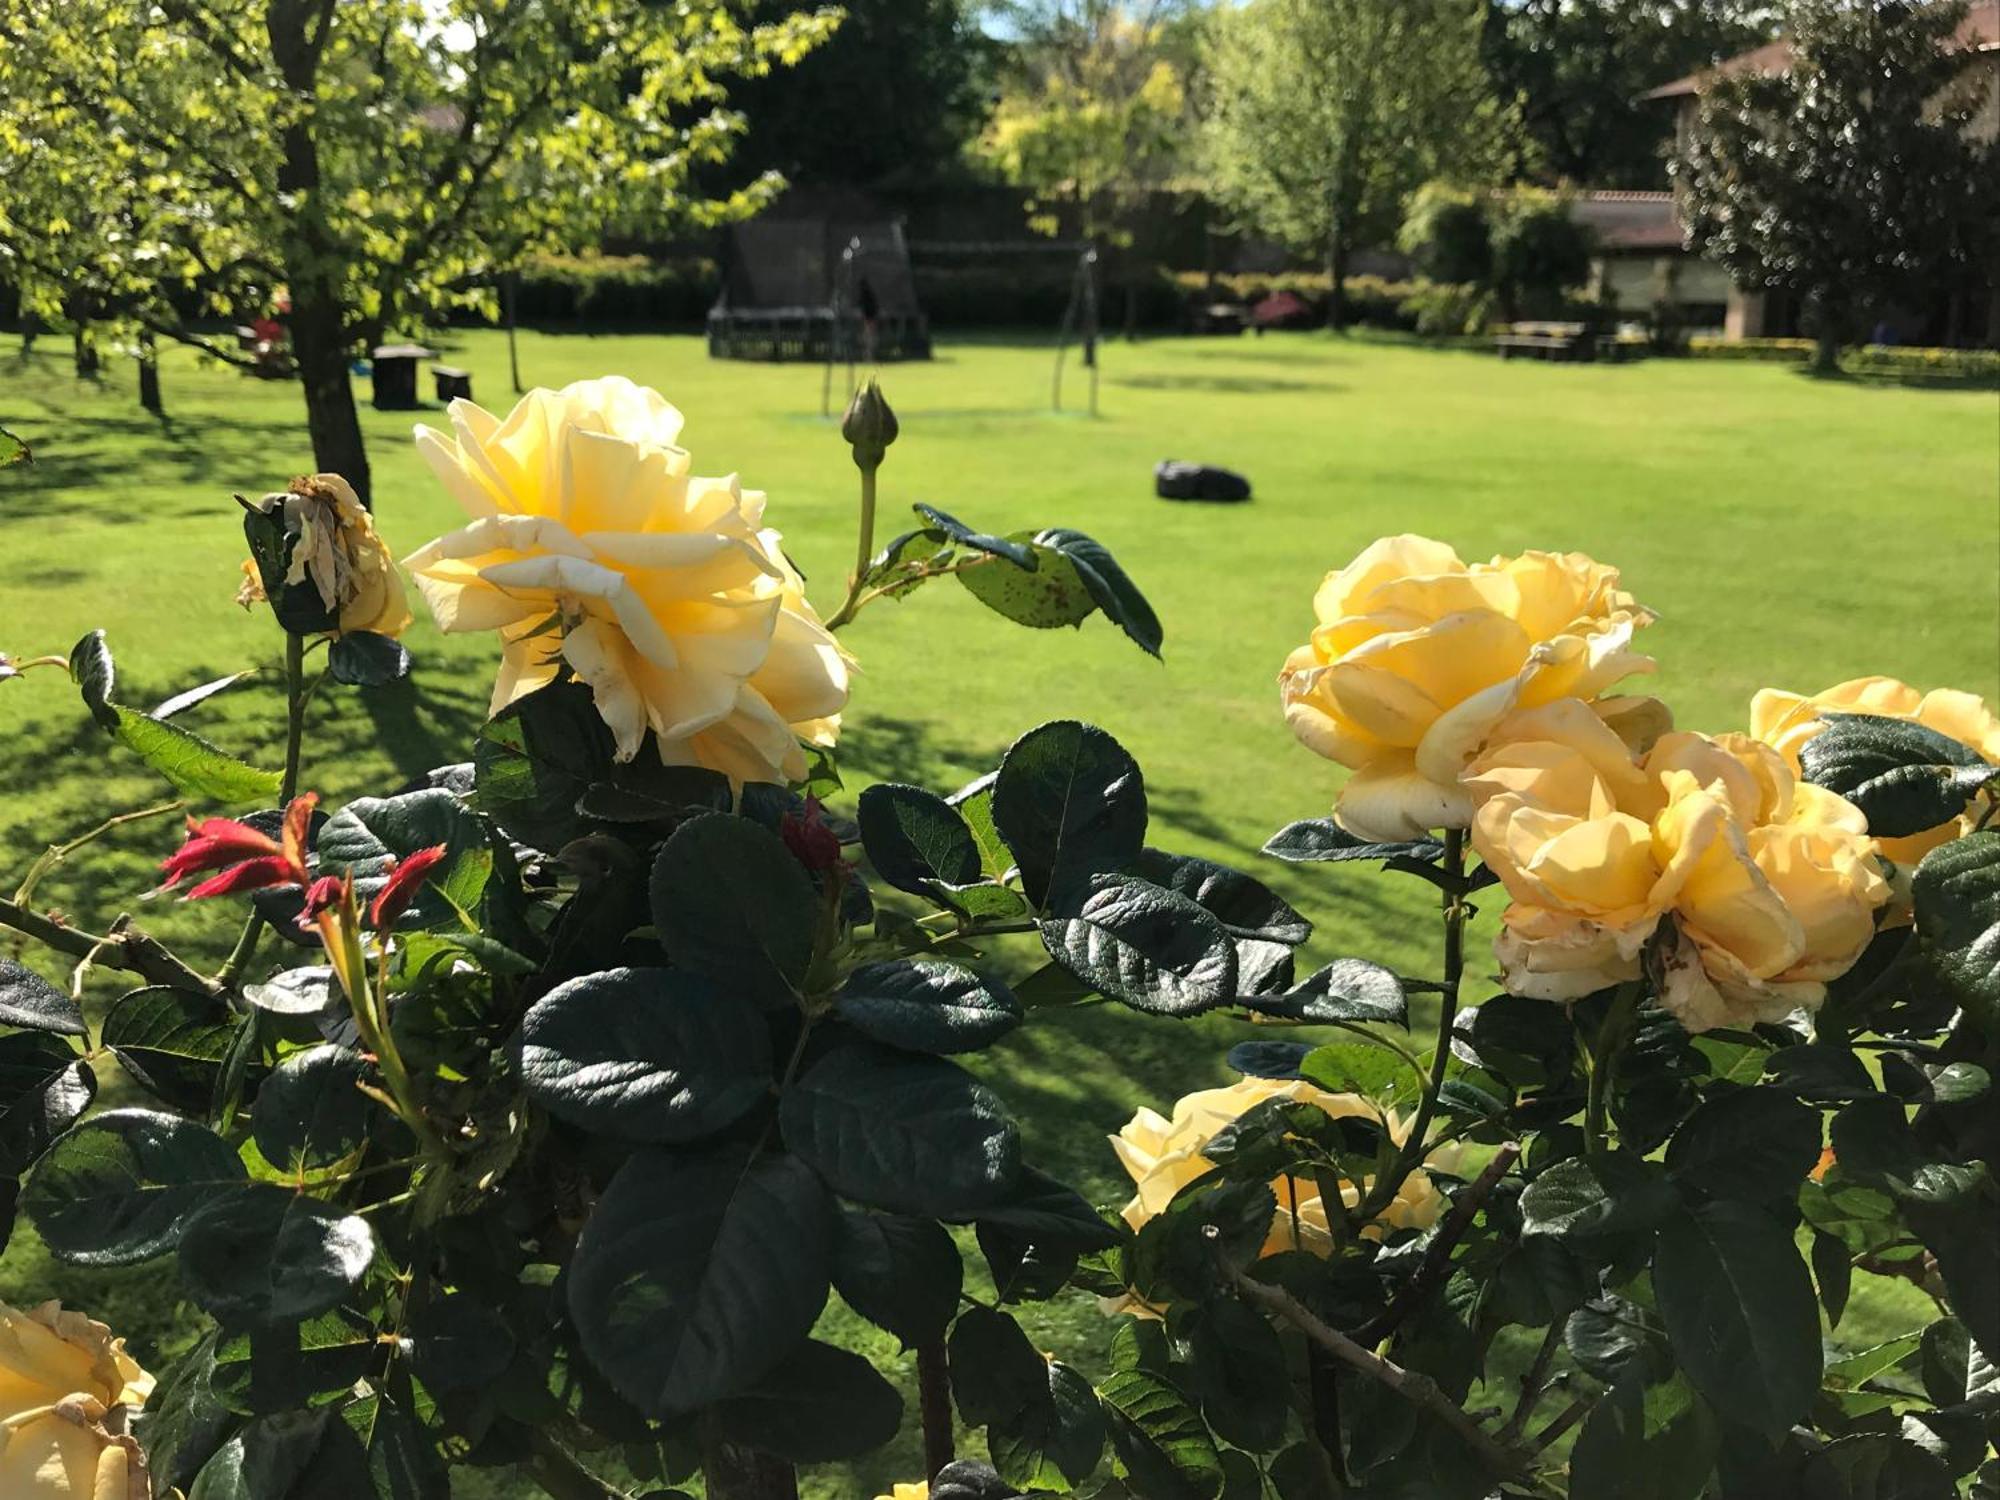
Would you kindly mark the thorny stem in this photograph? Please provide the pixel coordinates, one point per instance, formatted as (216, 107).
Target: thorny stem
(1454, 912)
(1531, 1381)
(296, 698)
(1436, 1265)
(1413, 1386)
(561, 1476)
(55, 854)
(125, 948)
(1612, 1035)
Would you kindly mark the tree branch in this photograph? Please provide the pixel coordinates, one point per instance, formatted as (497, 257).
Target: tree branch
(1410, 1384)
(124, 947)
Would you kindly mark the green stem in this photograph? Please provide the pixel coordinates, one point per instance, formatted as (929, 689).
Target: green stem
(1454, 912)
(864, 550)
(1610, 1041)
(296, 698)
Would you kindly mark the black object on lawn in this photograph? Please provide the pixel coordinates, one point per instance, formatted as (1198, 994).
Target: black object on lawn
(1174, 480)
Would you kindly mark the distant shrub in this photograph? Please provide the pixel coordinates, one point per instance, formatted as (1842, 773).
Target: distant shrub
(1446, 310)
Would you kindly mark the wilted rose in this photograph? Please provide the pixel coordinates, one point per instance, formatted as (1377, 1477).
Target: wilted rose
(68, 1391)
(592, 545)
(1417, 657)
(1773, 884)
(334, 550)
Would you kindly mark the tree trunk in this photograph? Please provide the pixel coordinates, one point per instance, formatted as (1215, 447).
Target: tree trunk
(149, 375)
(1826, 350)
(312, 258)
(83, 350)
(331, 416)
(1336, 276)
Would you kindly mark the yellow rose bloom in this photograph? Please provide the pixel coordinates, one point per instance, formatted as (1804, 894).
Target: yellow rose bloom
(918, 1491)
(68, 1391)
(350, 567)
(1163, 1155)
(1417, 657)
(1785, 721)
(1773, 884)
(592, 544)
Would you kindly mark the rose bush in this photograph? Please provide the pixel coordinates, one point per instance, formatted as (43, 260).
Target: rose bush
(545, 1103)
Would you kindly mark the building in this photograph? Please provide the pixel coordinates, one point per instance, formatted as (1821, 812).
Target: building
(1752, 314)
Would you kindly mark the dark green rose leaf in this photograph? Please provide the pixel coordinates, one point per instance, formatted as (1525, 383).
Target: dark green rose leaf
(1961, 1233)
(1014, 552)
(902, 1132)
(652, 1055)
(310, 1112)
(30, 1001)
(402, 1455)
(184, 1423)
(1608, 1332)
(1108, 585)
(1148, 947)
(362, 658)
(457, 1342)
(1322, 841)
(44, 1089)
(1876, 1466)
(1581, 1199)
(290, 1455)
(1070, 803)
(1739, 1310)
(1048, 596)
(1529, 1043)
(927, 1005)
(1354, 1065)
(172, 1041)
(280, 1367)
(1349, 989)
(536, 757)
(916, 840)
(730, 902)
(1754, 1143)
(1272, 1059)
(119, 1187)
(902, 1274)
(818, 1405)
(995, 1371)
(96, 678)
(1646, 1440)
(1246, 908)
(368, 836)
(1957, 889)
(296, 992)
(1051, 1213)
(264, 1254)
(696, 1276)
(1875, 1145)
(1056, 1440)
(1833, 1274)
(1240, 1373)
(1905, 776)
(974, 803)
(1820, 1072)
(1160, 1441)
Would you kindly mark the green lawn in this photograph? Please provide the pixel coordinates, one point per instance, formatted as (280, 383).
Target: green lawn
(1789, 531)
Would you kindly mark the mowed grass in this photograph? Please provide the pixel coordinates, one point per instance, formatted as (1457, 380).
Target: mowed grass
(1790, 532)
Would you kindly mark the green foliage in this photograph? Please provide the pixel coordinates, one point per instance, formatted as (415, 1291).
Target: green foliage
(1777, 184)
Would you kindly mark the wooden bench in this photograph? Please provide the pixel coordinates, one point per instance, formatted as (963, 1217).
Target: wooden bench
(1557, 341)
(452, 382)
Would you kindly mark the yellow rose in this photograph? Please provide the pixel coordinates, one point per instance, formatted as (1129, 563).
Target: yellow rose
(68, 1391)
(1785, 721)
(1417, 657)
(918, 1491)
(1773, 884)
(1164, 1155)
(337, 549)
(592, 544)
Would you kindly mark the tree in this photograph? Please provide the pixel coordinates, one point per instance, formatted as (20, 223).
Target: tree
(1523, 244)
(1324, 115)
(1576, 70)
(380, 162)
(888, 103)
(1091, 118)
(1851, 176)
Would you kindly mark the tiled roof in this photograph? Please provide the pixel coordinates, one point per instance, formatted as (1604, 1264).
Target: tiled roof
(1630, 221)
(1980, 32)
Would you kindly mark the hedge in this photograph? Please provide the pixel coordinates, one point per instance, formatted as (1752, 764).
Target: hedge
(1908, 361)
